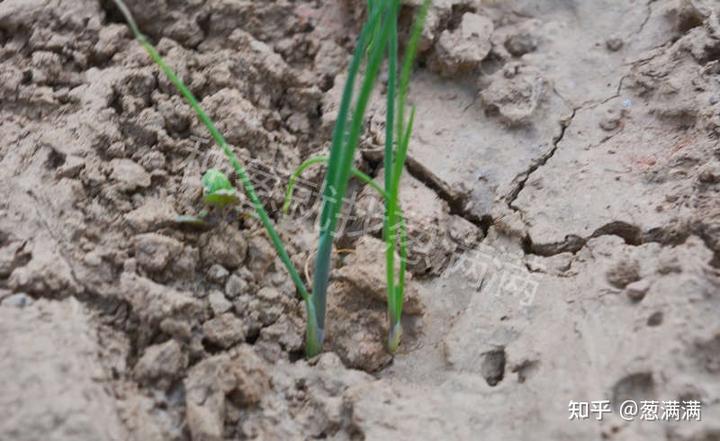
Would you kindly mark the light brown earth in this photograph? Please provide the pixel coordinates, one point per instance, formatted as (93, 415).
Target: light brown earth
(562, 195)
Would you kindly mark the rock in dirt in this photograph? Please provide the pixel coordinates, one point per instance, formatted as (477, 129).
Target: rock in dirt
(47, 274)
(236, 286)
(237, 118)
(154, 251)
(357, 330)
(463, 49)
(218, 303)
(311, 391)
(261, 255)
(427, 218)
(217, 274)
(514, 94)
(153, 302)
(239, 375)
(364, 271)
(636, 290)
(288, 332)
(224, 330)
(152, 215)
(357, 301)
(129, 175)
(521, 43)
(50, 388)
(162, 363)
(264, 308)
(623, 273)
(614, 44)
(225, 246)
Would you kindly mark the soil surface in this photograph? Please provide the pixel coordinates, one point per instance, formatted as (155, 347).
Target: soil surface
(562, 196)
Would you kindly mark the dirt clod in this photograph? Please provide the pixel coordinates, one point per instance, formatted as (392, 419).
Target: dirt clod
(637, 290)
(163, 363)
(225, 246)
(463, 49)
(224, 330)
(238, 376)
(623, 273)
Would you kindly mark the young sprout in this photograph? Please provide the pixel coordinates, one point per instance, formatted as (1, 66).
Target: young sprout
(399, 134)
(217, 189)
(217, 192)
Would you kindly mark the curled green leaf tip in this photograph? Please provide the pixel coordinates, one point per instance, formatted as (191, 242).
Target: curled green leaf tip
(214, 180)
(217, 189)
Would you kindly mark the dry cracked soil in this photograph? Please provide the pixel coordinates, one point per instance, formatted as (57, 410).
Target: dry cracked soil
(562, 195)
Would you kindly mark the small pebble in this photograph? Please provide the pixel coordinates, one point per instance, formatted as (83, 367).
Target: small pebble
(217, 273)
(92, 259)
(614, 44)
(129, 174)
(224, 331)
(521, 44)
(271, 295)
(655, 319)
(623, 273)
(636, 291)
(235, 286)
(278, 278)
(218, 303)
(611, 120)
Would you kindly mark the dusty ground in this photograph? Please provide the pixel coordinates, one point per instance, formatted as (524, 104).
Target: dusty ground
(562, 195)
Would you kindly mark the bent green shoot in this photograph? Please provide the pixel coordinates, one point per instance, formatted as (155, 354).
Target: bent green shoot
(311, 333)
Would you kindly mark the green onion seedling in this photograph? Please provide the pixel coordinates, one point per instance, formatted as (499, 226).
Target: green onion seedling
(378, 34)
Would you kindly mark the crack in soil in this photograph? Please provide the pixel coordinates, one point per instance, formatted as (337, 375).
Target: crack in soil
(456, 201)
(648, 9)
(631, 234)
(524, 176)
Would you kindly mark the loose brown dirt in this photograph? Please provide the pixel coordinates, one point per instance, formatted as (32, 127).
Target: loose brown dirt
(563, 205)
